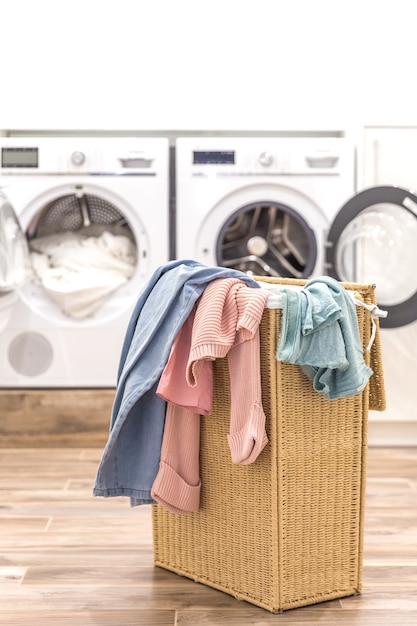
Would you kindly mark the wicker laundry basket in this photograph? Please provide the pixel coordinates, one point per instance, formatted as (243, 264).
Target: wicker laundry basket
(286, 531)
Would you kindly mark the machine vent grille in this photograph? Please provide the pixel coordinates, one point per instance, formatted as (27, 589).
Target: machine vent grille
(30, 354)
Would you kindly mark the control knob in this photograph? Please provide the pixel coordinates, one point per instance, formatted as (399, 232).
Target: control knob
(78, 158)
(266, 158)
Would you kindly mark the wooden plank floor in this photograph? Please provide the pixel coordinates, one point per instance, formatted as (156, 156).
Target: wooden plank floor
(69, 558)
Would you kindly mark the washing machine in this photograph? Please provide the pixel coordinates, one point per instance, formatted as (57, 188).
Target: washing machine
(84, 222)
(261, 205)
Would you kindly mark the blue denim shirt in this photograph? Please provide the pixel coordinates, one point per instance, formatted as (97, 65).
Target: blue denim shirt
(130, 460)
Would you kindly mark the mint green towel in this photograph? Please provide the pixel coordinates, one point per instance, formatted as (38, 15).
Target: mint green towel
(320, 333)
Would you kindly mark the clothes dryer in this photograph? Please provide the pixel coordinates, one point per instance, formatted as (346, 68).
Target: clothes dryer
(261, 205)
(84, 223)
(288, 207)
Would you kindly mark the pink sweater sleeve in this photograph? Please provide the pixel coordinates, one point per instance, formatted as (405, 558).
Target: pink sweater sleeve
(247, 437)
(177, 484)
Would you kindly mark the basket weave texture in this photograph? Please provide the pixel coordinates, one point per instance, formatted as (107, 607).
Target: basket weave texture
(287, 530)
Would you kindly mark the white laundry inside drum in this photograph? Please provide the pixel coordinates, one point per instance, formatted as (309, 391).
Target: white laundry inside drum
(81, 254)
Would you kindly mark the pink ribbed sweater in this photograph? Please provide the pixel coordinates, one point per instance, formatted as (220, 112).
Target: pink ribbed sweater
(226, 322)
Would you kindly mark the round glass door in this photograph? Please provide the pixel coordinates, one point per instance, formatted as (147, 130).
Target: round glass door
(267, 239)
(374, 240)
(86, 247)
(14, 252)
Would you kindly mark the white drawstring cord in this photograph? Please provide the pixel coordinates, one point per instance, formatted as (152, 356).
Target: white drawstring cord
(375, 312)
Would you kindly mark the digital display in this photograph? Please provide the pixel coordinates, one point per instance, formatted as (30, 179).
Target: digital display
(19, 157)
(213, 157)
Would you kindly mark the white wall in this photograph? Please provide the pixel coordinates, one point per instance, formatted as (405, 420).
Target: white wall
(206, 64)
